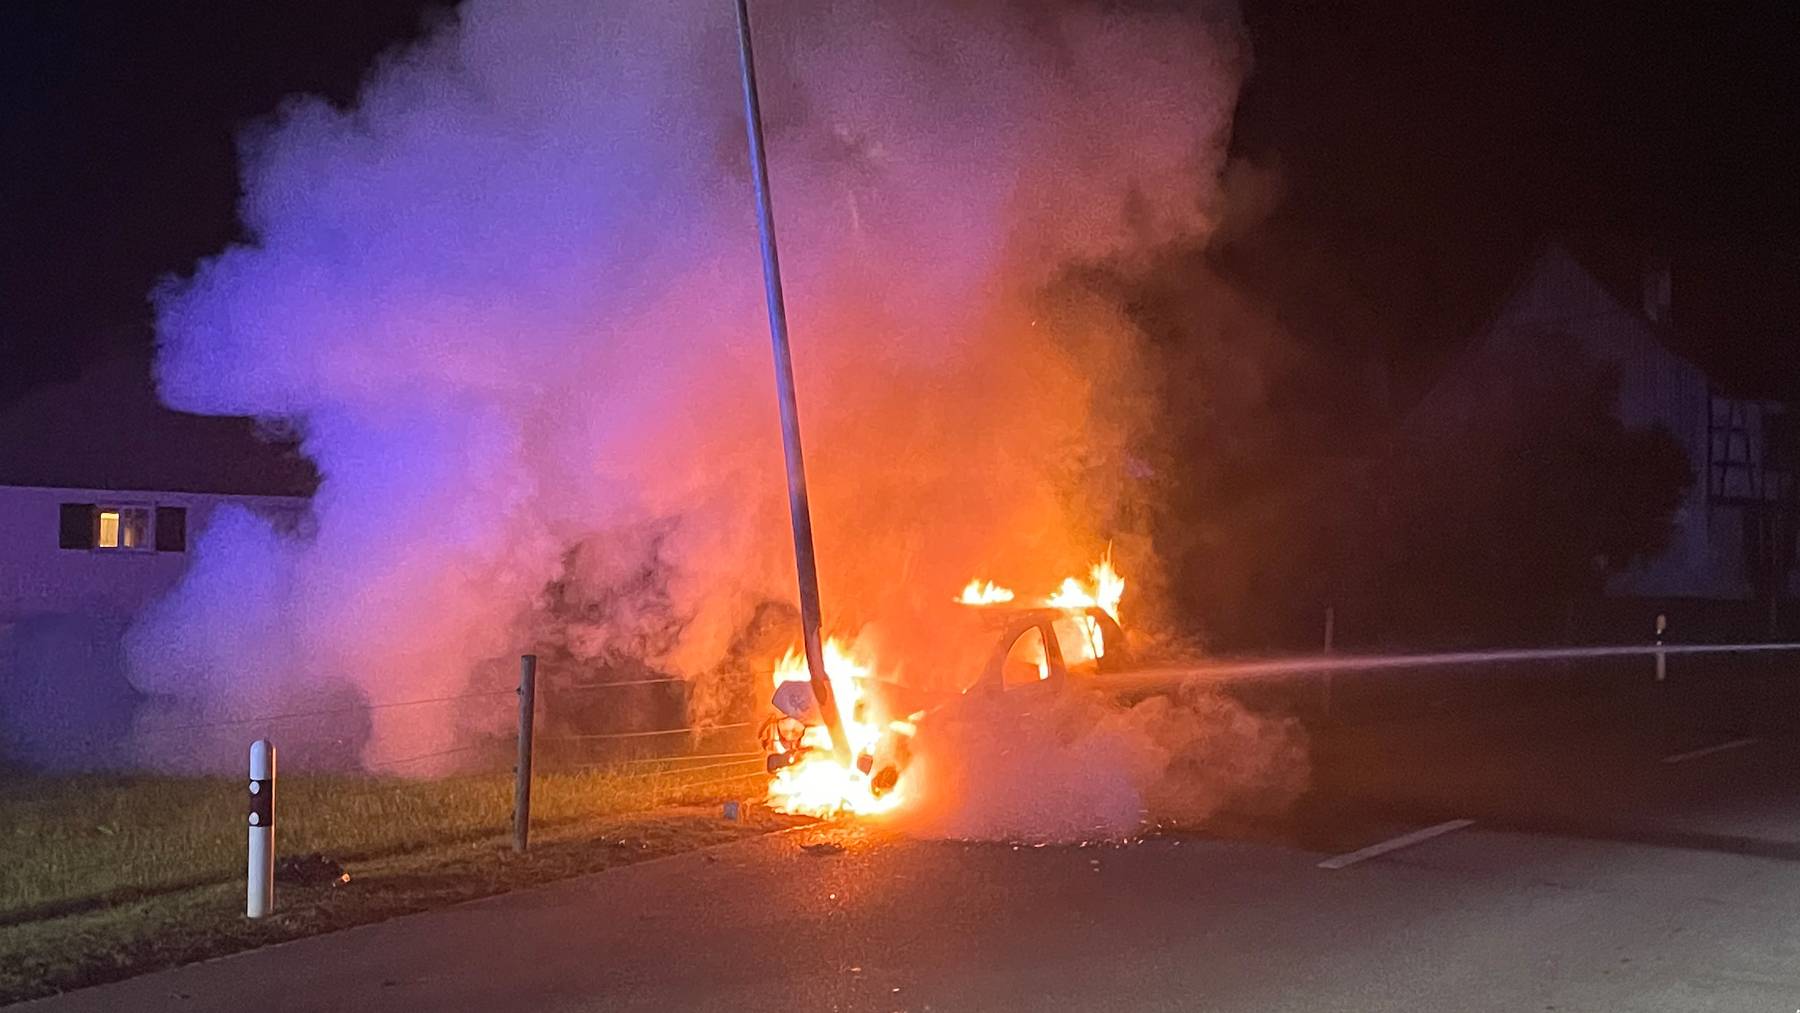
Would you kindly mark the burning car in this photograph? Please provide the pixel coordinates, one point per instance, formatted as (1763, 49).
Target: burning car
(1037, 648)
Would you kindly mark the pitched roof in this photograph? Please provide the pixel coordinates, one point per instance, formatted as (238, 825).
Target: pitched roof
(1735, 313)
(1741, 353)
(107, 430)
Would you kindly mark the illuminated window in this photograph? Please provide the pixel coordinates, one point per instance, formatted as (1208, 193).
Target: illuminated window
(122, 528)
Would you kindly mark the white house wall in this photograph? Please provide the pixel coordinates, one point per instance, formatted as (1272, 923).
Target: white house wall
(37, 577)
(64, 698)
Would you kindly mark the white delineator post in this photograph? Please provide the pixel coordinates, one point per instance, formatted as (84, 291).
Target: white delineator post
(259, 886)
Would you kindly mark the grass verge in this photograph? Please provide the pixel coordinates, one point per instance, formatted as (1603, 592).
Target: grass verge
(86, 902)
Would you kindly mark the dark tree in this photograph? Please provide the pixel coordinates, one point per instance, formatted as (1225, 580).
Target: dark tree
(1504, 517)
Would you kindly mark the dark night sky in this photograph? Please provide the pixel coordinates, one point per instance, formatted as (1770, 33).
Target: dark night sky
(1422, 150)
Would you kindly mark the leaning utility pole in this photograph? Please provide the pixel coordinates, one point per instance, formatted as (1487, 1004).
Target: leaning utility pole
(801, 514)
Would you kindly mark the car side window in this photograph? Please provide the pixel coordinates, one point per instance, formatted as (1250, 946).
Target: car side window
(1082, 641)
(1026, 663)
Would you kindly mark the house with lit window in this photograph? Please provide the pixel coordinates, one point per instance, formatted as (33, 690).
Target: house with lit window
(103, 492)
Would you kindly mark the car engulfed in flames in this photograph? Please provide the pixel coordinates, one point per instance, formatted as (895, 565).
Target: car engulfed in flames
(1019, 648)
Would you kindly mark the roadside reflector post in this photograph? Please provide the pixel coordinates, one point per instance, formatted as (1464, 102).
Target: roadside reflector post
(259, 887)
(1662, 657)
(1330, 636)
(522, 772)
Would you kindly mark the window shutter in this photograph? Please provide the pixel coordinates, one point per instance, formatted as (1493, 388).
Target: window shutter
(171, 529)
(77, 528)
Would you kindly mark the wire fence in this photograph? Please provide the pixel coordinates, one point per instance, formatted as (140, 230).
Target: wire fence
(338, 711)
(581, 687)
(422, 757)
(91, 839)
(566, 741)
(681, 770)
(692, 756)
(653, 733)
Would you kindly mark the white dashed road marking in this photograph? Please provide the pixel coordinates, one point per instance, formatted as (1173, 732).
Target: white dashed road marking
(1394, 844)
(1695, 754)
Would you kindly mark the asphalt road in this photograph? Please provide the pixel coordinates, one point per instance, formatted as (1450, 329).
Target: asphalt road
(1634, 847)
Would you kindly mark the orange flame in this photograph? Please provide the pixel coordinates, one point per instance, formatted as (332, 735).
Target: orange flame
(984, 592)
(1104, 589)
(817, 785)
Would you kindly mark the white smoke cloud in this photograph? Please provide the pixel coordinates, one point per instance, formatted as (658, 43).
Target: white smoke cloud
(510, 300)
(1078, 767)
